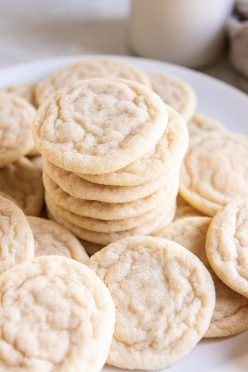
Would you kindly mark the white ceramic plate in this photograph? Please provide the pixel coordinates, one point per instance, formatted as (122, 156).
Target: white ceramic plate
(223, 102)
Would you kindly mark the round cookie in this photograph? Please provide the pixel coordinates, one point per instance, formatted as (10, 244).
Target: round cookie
(24, 90)
(106, 238)
(164, 299)
(79, 188)
(97, 67)
(201, 124)
(226, 245)
(215, 171)
(174, 92)
(184, 209)
(55, 314)
(101, 210)
(16, 240)
(109, 226)
(51, 238)
(97, 126)
(23, 182)
(167, 155)
(230, 315)
(16, 116)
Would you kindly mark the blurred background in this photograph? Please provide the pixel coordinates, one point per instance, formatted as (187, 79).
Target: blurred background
(188, 32)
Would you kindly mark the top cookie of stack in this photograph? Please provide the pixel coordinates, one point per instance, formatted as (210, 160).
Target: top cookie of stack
(98, 126)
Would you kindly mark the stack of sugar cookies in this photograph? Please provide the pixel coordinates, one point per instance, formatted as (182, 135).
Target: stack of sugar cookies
(112, 152)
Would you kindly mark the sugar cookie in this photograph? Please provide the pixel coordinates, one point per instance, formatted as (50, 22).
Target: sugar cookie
(164, 299)
(97, 126)
(215, 171)
(23, 182)
(175, 93)
(226, 245)
(167, 155)
(16, 116)
(16, 240)
(230, 315)
(106, 238)
(101, 210)
(50, 238)
(98, 67)
(77, 187)
(55, 314)
(24, 90)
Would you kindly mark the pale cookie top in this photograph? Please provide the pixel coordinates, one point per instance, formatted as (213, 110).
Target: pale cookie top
(24, 90)
(16, 238)
(77, 187)
(55, 314)
(16, 116)
(101, 210)
(226, 246)
(97, 126)
(167, 154)
(50, 238)
(231, 311)
(86, 69)
(164, 299)
(23, 182)
(215, 171)
(175, 92)
(201, 124)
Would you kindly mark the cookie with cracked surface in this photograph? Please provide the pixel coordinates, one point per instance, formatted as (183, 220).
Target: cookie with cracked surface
(23, 182)
(226, 245)
(79, 188)
(109, 226)
(164, 299)
(174, 92)
(16, 240)
(167, 154)
(231, 310)
(101, 210)
(202, 124)
(106, 238)
(24, 90)
(184, 209)
(16, 116)
(97, 126)
(98, 67)
(215, 171)
(55, 314)
(50, 238)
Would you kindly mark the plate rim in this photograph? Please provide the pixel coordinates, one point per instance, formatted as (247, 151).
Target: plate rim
(69, 58)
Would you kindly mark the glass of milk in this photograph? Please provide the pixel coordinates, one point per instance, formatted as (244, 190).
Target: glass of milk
(186, 32)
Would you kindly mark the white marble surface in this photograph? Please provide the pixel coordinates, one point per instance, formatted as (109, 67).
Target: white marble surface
(31, 29)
